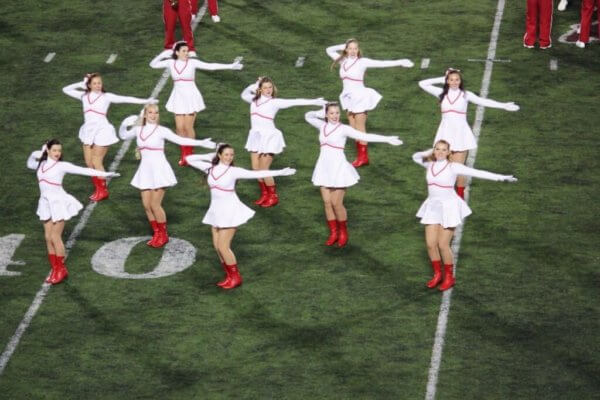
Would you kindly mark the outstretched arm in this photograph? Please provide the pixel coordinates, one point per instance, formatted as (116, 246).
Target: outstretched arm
(171, 137)
(420, 155)
(249, 92)
(74, 169)
(214, 66)
(473, 98)
(241, 173)
(370, 63)
(34, 159)
(162, 60)
(315, 118)
(371, 137)
(333, 51)
(460, 169)
(287, 103)
(75, 90)
(127, 130)
(201, 161)
(428, 85)
(115, 98)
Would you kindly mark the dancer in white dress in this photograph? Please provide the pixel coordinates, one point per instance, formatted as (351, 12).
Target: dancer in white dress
(333, 173)
(56, 205)
(97, 133)
(264, 139)
(226, 212)
(357, 99)
(154, 173)
(185, 99)
(444, 209)
(454, 127)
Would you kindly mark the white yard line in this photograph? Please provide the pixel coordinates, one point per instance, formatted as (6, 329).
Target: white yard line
(111, 59)
(87, 212)
(502, 60)
(553, 64)
(300, 62)
(425, 63)
(440, 332)
(49, 57)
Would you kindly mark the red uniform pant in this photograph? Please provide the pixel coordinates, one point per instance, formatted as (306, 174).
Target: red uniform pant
(587, 11)
(213, 8)
(183, 13)
(538, 12)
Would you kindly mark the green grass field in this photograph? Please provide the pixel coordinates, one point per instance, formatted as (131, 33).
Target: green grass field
(310, 322)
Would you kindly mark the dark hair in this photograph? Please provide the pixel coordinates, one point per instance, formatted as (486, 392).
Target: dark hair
(88, 84)
(265, 79)
(177, 47)
(49, 145)
(329, 105)
(449, 72)
(345, 53)
(220, 149)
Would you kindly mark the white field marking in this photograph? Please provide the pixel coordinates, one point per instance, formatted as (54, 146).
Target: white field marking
(553, 64)
(111, 59)
(41, 294)
(575, 29)
(425, 63)
(485, 60)
(440, 333)
(8, 246)
(300, 61)
(49, 57)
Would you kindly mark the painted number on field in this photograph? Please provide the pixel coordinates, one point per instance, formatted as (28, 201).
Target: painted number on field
(8, 246)
(110, 259)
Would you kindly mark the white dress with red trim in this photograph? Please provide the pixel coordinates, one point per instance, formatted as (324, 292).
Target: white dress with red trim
(454, 127)
(96, 129)
(185, 97)
(355, 97)
(55, 203)
(154, 171)
(333, 169)
(443, 205)
(263, 136)
(226, 210)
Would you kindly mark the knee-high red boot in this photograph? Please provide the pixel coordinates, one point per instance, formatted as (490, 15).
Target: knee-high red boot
(449, 279)
(437, 274)
(333, 232)
(362, 155)
(460, 190)
(183, 155)
(264, 194)
(272, 197)
(235, 277)
(343, 233)
(94, 195)
(102, 192)
(54, 268)
(163, 237)
(154, 226)
(61, 272)
(227, 278)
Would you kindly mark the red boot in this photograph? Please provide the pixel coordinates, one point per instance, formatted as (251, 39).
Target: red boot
(61, 272)
(102, 191)
(235, 277)
(449, 280)
(333, 232)
(272, 197)
(94, 195)
(163, 237)
(227, 279)
(183, 151)
(362, 156)
(460, 190)
(264, 194)
(343, 233)
(437, 274)
(53, 264)
(154, 226)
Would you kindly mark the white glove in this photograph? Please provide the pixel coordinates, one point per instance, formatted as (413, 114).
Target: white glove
(511, 106)
(288, 171)
(237, 66)
(208, 143)
(166, 53)
(321, 102)
(113, 174)
(131, 120)
(406, 63)
(151, 100)
(394, 141)
(509, 178)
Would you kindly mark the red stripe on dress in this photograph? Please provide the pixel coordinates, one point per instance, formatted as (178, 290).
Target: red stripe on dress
(262, 116)
(213, 175)
(151, 148)
(94, 111)
(453, 111)
(330, 145)
(440, 171)
(221, 189)
(352, 79)
(444, 187)
(51, 183)
(183, 80)
(183, 69)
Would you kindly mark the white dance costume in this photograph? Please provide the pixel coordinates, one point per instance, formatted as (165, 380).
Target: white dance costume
(332, 169)
(263, 136)
(355, 97)
(55, 203)
(443, 206)
(226, 210)
(454, 127)
(96, 128)
(185, 97)
(154, 171)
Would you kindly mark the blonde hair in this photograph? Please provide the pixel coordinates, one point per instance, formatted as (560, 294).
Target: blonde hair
(431, 157)
(142, 120)
(345, 52)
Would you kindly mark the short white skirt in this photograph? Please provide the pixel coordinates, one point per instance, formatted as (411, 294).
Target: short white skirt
(333, 170)
(358, 100)
(447, 212)
(98, 132)
(185, 98)
(456, 131)
(154, 171)
(226, 210)
(265, 141)
(58, 205)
